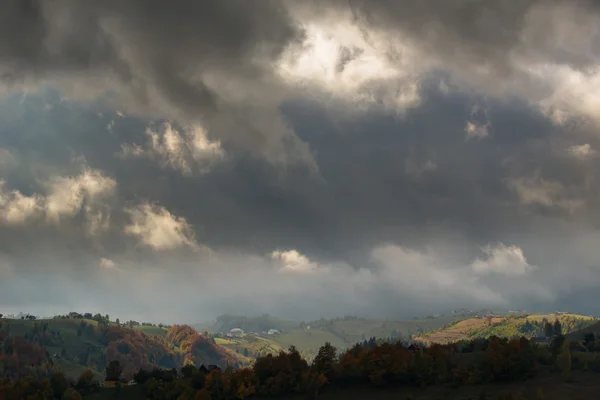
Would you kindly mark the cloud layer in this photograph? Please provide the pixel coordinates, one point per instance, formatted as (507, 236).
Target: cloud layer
(300, 158)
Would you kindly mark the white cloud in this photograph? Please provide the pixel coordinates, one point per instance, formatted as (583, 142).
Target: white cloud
(583, 152)
(16, 208)
(552, 36)
(574, 93)
(107, 263)
(132, 150)
(403, 283)
(337, 60)
(476, 131)
(478, 126)
(188, 150)
(157, 228)
(293, 261)
(380, 66)
(87, 193)
(534, 190)
(427, 275)
(502, 260)
(65, 197)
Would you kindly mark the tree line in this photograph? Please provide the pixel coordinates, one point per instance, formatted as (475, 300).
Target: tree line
(476, 362)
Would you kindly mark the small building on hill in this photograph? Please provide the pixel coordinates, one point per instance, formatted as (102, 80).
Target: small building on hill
(236, 332)
(273, 332)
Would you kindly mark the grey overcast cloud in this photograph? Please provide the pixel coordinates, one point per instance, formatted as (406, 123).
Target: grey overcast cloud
(173, 161)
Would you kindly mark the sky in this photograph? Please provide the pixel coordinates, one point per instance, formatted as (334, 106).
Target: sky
(174, 161)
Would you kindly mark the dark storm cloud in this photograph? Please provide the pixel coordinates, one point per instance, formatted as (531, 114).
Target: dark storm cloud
(367, 197)
(185, 59)
(480, 31)
(216, 62)
(402, 187)
(496, 46)
(45, 37)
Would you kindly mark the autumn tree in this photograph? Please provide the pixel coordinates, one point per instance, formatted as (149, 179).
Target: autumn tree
(187, 371)
(70, 394)
(556, 345)
(563, 360)
(113, 370)
(326, 360)
(86, 383)
(589, 339)
(548, 329)
(142, 376)
(557, 328)
(315, 382)
(59, 384)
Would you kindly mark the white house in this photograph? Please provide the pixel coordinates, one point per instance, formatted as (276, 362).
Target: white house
(237, 332)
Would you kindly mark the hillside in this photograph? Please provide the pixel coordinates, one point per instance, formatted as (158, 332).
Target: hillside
(250, 346)
(579, 335)
(74, 345)
(505, 326)
(308, 336)
(353, 330)
(151, 330)
(197, 349)
(225, 323)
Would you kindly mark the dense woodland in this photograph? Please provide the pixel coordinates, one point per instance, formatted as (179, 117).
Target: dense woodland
(27, 354)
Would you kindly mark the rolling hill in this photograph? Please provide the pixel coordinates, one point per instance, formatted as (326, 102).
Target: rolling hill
(579, 335)
(224, 323)
(309, 336)
(74, 345)
(505, 326)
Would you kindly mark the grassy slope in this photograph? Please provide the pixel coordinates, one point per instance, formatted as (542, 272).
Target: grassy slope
(345, 333)
(580, 334)
(478, 327)
(151, 330)
(456, 331)
(341, 333)
(254, 344)
(551, 317)
(308, 342)
(357, 330)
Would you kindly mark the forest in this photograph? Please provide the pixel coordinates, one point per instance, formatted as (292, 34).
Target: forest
(28, 371)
